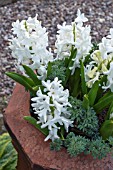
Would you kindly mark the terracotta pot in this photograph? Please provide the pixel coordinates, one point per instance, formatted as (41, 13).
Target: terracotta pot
(34, 153)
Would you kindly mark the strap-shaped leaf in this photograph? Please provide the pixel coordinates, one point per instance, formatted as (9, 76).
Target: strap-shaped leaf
(31, 74)
(66, 61)
(20, 79)
(73, 55)
(33, 121)
(75, 86)
(93, 93)
(87, 59)
(27, 79)
(100, 90)
(49, 67)
(103, 103)
(109, 111)
(68, 71)
(106, 129)
(85, 103)
(83, 82)
(105, 96)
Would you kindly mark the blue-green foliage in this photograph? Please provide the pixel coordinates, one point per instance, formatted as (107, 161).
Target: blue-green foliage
(75, 144)
(76, 110)
(110, 140)
(87, 121)
(78, 144)
(98, 148)
(56, 145)
(68, 139)
(58, 69)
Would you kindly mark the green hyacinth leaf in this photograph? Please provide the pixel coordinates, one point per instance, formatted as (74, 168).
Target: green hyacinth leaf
(33, 121)
(93, 93)
(75, 85)
(106, 129)
(110, 111)
(100, 90)
(107, 94)
(32, 75)
(8, 155)
(83, 82)
(73, 55)
(49, 67)
(68, 71)
(85, 102)
(27, 79)
(103, 103)
(66, 61)
(20, 79)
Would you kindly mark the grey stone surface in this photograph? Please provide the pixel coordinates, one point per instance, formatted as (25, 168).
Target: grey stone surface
(5, 2)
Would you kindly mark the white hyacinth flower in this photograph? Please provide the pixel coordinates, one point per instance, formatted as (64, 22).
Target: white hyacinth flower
(80, 18)
(82, 44)
(55, 90)
(74, 36)
(99, 65)
(109, 74)
(29, 45)
(105, 48)
(52, 134)
(111, 115)
(51, 107)
(111, 34)
(91, 75)
(57, 119)
(65, 40)
(41, 105)
(19, 28)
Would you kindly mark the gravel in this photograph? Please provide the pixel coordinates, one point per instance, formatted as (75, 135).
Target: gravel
(50, 12)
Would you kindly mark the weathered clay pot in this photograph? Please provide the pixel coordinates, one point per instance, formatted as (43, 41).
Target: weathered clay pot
(34, 153)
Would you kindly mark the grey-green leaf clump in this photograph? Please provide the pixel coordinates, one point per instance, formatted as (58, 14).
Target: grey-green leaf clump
(87, 120)
(77, 144)
(58, 69)
(110, 140)
(56, 145)
(8, 155)
(98, 148)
